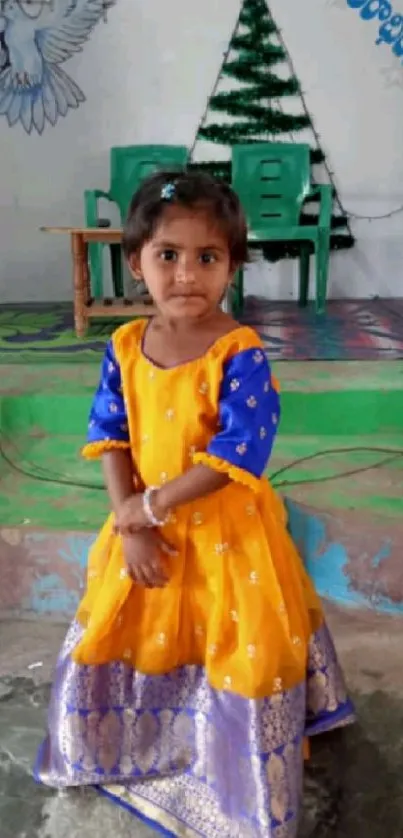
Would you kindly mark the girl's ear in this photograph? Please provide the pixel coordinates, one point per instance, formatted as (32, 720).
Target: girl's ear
(134, 266)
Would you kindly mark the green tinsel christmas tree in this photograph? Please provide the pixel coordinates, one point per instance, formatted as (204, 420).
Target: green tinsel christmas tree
(253, 110)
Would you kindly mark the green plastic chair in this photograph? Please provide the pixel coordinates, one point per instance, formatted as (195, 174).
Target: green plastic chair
(129, 165)
(273, 181)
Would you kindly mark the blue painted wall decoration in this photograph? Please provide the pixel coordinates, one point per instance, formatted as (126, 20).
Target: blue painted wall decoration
(36, 38)
(390, 31)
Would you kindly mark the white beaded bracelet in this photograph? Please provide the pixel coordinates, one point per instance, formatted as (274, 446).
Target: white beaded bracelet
(152, 520)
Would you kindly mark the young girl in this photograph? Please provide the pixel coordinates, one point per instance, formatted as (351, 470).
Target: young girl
(199, 659)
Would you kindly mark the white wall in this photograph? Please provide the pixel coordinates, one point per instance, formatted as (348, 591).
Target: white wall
(147, 74)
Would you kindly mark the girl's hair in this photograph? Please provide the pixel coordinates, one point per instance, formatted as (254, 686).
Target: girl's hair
(195, 191)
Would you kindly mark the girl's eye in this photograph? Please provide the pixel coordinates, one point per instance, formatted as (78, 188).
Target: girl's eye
(169, 255)
(207, 258)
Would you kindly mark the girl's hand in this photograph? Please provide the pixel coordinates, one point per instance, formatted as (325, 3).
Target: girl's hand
(143, 553)
(131, 518)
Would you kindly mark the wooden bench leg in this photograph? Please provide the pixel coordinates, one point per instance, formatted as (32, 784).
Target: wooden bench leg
(80, 281)
(87, 277)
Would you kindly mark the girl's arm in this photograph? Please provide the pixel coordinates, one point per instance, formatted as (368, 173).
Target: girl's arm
(117, 466)
(196, 483)
(108, 433)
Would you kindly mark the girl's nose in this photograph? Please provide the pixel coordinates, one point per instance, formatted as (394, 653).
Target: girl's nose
(185, 271)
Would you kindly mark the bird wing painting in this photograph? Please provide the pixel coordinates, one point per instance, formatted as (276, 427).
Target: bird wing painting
(34, 89)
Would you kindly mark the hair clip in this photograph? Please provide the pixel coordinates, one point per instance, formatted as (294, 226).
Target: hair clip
(168, 191)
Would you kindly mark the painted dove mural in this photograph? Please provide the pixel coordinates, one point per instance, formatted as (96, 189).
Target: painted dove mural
(36, 39)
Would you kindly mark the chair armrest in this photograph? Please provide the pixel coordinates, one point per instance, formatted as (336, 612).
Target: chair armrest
(91, 198)
(325, 192)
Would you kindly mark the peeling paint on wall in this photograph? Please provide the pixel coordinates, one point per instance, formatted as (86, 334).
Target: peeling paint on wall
(353, 559)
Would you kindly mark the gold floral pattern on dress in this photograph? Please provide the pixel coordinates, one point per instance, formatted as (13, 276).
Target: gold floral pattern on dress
(234, 385)
(251, 651)
(241, 449)
(318, 694)
(113, 408)
(234, 616)
(253, 577)
(108, 736)
(170, 414)
(227, 682)
(279, 802)
(161, 639)
(197, 519)
(183, 732)
(251, 401)
(126, 764)
(146, 727)
(123, 573)
(203, 388)
(168, 731)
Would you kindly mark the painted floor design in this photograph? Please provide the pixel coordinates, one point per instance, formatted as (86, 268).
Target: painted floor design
(350, 330)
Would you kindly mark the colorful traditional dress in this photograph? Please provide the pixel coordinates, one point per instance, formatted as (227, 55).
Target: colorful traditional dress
(190, 704)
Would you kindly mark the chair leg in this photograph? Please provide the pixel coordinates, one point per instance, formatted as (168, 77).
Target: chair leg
(304, 260)
(322, 271)
(117, 271)
(238, 294)
(95, 264)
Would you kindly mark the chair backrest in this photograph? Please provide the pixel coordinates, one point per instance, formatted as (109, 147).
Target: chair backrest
(272, 180)
(131, 164)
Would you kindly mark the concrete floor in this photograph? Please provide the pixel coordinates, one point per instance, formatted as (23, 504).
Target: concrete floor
(354, 781)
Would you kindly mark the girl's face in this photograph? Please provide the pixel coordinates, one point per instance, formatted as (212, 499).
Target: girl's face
(186, 265)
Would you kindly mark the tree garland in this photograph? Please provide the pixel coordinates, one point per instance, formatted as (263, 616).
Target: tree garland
(256, 114)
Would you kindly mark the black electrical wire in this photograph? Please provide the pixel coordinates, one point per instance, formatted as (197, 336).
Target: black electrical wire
(326, 452)
(330, 477)
(43, 478)
(392, 455)
(39, 469)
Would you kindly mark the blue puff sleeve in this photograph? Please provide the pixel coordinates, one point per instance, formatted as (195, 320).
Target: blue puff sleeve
(249, 413)
(107, 426)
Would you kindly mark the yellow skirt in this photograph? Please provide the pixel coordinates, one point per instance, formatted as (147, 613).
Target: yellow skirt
(238, 600)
